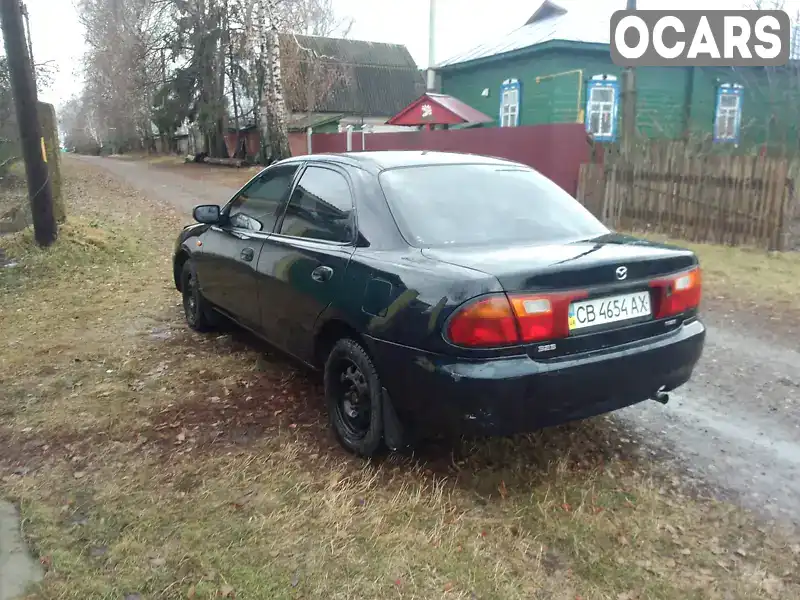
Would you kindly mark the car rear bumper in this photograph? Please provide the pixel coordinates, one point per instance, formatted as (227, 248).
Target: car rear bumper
(517, 394)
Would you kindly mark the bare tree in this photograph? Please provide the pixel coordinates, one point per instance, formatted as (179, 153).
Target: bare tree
(169, 62)
(122, 66)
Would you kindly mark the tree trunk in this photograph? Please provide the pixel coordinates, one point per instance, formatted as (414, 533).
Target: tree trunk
(258, 49)
(279, 132)
(222, 114)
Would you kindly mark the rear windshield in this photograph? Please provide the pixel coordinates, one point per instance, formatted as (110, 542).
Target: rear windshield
(444, 205)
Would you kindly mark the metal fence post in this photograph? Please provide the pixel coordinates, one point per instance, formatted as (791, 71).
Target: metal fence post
(349, 138)
(309, 144)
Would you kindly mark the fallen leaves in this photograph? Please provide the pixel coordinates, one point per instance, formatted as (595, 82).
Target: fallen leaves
(46, 562)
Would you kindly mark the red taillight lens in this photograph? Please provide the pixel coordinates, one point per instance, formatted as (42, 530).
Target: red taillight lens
(678, 293)
(518, 318)
(487, 322)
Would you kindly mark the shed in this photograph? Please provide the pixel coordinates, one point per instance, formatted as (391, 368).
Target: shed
(432, 109)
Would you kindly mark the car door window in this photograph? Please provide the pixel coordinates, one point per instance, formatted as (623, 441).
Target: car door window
(257, 207)
(321, 207)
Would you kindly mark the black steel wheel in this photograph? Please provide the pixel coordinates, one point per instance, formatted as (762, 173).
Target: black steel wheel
(353, 393)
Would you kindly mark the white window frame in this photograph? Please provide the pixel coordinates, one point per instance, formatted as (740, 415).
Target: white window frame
(510, 93)
(728, 119)
(602, 108)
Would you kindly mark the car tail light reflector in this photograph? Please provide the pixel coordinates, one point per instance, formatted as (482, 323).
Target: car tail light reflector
(501, 320)
(543, 317)
(679, 293)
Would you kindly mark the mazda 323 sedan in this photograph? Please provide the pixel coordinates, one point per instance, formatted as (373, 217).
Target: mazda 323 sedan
(443, 293)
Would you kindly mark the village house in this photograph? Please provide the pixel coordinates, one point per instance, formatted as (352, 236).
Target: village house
(557, 68)
(331, 83)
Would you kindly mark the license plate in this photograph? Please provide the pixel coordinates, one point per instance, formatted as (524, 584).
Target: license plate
(613, 309)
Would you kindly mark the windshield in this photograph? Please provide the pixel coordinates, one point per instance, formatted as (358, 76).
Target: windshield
(444, 205)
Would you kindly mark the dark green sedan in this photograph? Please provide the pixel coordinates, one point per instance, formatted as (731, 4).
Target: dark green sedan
(443, 293)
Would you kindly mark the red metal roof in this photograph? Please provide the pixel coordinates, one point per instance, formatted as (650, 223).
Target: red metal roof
(438, 109)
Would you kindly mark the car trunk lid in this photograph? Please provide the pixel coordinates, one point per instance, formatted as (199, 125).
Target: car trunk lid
(574, 265)
(613, 270)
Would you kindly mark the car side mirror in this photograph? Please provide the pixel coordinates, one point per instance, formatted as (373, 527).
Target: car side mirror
(206, 213)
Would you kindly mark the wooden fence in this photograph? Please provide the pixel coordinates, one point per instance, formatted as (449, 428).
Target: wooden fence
(734, 200)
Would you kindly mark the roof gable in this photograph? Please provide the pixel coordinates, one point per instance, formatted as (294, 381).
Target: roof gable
(439, 109)
(546, 10)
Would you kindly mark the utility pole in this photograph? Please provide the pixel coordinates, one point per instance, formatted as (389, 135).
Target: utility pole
(23, 87)
(26, 15)
(628, 102)
(432, 47)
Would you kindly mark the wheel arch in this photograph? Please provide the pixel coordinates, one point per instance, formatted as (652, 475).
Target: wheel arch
(329, 331)
(177, 266)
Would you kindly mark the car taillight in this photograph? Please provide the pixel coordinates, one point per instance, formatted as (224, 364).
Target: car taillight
(501, 320)
(486, 322)
(678, 293)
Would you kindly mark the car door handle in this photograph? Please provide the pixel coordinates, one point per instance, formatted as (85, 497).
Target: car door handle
(247, 254)
(322, 274)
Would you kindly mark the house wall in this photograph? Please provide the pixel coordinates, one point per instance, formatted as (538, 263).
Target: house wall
(670, 100)
(770, 110)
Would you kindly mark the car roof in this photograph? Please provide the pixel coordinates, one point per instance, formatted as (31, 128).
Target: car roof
(391, 159)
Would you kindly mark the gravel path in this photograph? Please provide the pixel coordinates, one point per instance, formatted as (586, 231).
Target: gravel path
(735, 427)
(163, 184)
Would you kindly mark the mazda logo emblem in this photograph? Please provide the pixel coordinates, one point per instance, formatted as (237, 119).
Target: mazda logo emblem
(622, 273)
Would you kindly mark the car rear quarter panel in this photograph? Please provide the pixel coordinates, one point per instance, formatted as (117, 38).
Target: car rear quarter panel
(405, 298)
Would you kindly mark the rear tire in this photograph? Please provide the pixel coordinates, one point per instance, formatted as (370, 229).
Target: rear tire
(198, 312)
(353, 393)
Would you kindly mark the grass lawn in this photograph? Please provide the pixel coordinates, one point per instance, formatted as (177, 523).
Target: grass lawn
(151, 462)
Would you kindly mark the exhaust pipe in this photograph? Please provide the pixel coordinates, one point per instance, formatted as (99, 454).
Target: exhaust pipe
(661, 396)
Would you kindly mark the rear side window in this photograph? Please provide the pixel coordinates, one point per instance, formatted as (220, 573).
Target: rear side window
(258, 204)
(321, 207)
(446, 205)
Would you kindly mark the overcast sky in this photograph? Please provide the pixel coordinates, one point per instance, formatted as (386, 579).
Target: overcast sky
(461, 24)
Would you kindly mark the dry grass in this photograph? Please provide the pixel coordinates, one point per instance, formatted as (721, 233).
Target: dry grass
(13, 188)
(151, 462)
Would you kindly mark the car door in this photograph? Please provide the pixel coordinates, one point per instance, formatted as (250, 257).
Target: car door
(227, 269)
(304, 262)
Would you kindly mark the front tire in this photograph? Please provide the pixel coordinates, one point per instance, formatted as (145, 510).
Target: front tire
(353, 393)
(199, 314)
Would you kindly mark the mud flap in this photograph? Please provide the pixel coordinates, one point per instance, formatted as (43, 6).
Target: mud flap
(393, 433)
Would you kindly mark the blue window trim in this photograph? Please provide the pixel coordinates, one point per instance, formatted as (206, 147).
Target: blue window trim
(603, 83)
(727, 89)
(510, 84)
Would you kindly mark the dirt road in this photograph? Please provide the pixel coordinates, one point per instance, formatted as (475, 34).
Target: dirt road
(734, 428)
